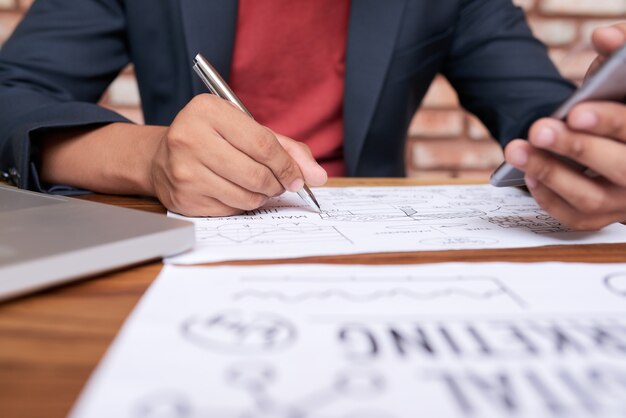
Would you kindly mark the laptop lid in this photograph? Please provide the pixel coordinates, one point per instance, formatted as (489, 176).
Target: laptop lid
(47, 240)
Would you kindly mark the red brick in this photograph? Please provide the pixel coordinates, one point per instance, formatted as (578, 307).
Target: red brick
(584, 7)
(587, 28)
(7, 4)
(445, 147)
(476, 130)
(573, 64)
(442, 176)
(430, 123)
(441, 95)
(124, 91)
(455, 154)
(554, 31)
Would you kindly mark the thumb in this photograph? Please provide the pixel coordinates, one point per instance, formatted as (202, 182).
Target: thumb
(314, 174)
(606, 41)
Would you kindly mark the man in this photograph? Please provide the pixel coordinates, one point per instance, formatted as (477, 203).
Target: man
(342, 76)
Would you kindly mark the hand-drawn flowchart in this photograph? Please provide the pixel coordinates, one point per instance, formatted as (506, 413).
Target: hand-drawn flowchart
(488, 340)
(386, 219)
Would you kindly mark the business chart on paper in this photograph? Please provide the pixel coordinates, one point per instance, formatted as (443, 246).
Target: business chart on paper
(482, 340)
(386, 219)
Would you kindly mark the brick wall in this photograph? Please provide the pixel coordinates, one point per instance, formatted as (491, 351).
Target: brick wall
(444, 141)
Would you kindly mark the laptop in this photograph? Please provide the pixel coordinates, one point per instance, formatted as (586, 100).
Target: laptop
(48, 240)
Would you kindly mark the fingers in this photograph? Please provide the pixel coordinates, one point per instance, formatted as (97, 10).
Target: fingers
(602, 155)
(314, 174)
(607, 40)
(576, 188)
(215, 160)
(254, 140)
(583, 203)
(221, 158)
(567, 214)
(606, 119)
(188, 204)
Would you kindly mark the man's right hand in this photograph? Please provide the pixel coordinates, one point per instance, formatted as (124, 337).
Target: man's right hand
(214, 160)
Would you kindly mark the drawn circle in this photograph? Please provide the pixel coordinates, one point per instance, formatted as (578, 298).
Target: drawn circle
(253, 376)
(459, 241)
(240, 332)
(360, 383)
(164, 405)
(616, 283)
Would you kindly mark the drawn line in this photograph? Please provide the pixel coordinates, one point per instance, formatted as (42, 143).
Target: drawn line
(368, 297)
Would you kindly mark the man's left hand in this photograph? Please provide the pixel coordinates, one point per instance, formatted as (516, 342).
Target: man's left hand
(594, 135)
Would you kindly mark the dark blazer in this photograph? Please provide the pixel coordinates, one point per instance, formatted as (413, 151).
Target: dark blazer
(65, 53)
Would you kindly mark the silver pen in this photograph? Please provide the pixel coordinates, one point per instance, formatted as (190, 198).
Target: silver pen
(216, 85)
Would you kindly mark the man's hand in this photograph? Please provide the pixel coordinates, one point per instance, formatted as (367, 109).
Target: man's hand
(214, 160)
(594, 135)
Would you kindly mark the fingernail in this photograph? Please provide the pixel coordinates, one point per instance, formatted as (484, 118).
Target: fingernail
(584, 120)
(296, 185)
(518, 157)
(531, 182)
(544, 138)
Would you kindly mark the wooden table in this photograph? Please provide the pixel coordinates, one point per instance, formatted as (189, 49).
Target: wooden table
(50, 342)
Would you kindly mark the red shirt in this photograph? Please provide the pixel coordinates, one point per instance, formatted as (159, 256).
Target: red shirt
(288, 69)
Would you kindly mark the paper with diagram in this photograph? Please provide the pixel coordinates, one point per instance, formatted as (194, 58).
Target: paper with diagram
(386, 219)
(309, 341)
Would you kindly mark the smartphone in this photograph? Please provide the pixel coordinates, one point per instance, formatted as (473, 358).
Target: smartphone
(607, 84)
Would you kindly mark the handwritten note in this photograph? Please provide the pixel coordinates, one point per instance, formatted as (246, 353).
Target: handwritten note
(386, 219)
(449, 340)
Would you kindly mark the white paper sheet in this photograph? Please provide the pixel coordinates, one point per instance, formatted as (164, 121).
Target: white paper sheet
(385, 219)
(308, 341)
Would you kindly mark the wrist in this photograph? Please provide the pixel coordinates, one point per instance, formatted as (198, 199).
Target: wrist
(114, 158)
(134, 174)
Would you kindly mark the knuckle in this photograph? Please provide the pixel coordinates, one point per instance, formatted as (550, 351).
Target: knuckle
(180, 174)
(266, 144)
(576, 147)
(204, 101)
(543, 172)
(176, 138)
(261, 178)
(287, 170)
(305, 147)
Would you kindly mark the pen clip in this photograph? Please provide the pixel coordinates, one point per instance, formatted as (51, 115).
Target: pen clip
(204, 79)
(215, 83)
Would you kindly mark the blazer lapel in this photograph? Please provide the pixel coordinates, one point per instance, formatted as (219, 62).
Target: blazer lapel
(209, 28)
(372, 33)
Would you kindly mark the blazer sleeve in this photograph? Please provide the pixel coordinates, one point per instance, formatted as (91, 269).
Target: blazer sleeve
(53, 70)
(502, 73)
